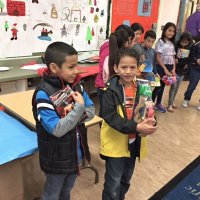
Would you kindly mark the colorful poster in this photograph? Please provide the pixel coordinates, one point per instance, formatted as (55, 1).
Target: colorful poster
(45, 20)
(16, 33)
(144, 7)
(29, 26)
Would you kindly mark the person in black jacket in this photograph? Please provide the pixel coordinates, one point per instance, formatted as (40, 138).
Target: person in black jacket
(184, 48)
(194, 75)
(62, 139)
(120, 140)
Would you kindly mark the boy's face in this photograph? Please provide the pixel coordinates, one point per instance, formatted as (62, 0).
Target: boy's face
(148, 42)
(138, 35)
(127, 70)
(68, 70)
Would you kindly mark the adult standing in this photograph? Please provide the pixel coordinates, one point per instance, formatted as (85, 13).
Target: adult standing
(193, 23)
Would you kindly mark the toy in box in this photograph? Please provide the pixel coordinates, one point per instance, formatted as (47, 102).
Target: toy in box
(64, 102)
(183, 53)
(144, 109)
(169, 80)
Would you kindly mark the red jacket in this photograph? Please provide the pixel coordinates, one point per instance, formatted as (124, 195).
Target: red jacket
(103, 53)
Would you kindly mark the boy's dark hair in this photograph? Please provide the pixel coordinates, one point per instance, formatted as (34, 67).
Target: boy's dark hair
(117, 40)
(185, 36)
(137, 26)
(151, 34)
(127, 29)
(168, 25)
(57, 52)
(126, 52)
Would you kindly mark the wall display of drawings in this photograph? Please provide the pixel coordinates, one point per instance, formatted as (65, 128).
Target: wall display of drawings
(28, 26)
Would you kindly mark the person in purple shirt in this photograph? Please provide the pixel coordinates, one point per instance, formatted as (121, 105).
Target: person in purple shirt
(193, 23)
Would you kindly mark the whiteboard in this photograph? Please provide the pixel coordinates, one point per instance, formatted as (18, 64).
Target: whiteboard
(29, 26)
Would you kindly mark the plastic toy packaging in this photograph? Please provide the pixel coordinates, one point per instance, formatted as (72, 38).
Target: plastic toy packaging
(145, 107)
(63, 99)
(143, 110)
(169, 80)
(64, 102)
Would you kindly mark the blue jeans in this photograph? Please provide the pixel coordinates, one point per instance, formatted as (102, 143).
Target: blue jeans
(117, 177)
(194, 78)
(58, 186)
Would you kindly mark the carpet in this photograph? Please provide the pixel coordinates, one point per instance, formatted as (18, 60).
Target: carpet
(184, 186)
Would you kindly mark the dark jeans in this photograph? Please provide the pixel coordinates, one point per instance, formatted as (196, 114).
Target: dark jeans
(194, 78)
(158, 91)
(58, 186)
(117, 177)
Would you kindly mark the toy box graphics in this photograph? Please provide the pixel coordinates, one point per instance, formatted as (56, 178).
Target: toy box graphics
(145, 107)
(64, 102)
(183, 53)
(148, 66)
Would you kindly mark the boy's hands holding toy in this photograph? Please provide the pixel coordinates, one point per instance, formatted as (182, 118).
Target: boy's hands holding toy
(147, 127)
(78, 98)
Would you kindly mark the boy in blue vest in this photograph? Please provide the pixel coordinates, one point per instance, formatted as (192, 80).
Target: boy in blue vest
(62, 139)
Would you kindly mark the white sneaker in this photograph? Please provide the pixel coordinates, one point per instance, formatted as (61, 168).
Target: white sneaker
(185, 103)
(198, 108)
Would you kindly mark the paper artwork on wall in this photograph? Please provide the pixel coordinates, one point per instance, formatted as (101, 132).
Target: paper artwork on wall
(28, 26)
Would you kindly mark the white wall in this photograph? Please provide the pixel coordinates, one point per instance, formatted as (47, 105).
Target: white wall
(168, 12)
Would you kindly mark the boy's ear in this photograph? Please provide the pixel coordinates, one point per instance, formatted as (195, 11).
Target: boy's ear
(116, 69)
(53, 68)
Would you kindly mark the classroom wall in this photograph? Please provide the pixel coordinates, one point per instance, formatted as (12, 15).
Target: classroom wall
(168, 12)
(163, 11)
(128, 10)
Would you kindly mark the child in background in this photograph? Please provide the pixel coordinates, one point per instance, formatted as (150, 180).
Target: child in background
(149, 52)
(117, 40)
(165, 58)
(62, 140)
(138, 30)
(122, 37)
(130, 32)
(194, 75)
(120, 141)
(183, 59)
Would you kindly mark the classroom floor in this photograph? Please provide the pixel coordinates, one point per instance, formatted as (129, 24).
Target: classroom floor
(175, 144)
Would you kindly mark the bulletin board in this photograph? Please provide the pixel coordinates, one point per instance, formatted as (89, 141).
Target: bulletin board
(144, 12)
(28, 26)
